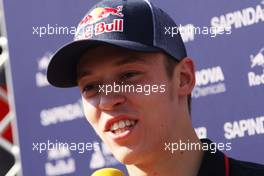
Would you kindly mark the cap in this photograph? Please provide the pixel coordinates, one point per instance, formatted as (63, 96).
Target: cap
(132, 24)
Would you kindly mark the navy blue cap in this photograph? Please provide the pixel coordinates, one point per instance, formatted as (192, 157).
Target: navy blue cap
(133, 24)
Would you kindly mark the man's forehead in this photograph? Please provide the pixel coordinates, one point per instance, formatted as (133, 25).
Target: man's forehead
(111, 56)
(110, 53)
(115, 59)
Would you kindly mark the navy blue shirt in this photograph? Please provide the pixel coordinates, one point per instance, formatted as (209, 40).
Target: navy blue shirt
(217, 164)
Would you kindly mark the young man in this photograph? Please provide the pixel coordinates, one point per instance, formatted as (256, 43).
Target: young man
(135, 83)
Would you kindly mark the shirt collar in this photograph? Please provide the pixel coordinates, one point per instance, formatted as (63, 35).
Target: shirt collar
(213, 163)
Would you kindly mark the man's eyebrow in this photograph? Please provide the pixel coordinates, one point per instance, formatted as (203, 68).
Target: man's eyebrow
(83, 73)
(132, 59)
(126, 60)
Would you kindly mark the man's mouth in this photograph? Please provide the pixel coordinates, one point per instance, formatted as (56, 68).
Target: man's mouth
(122, 126)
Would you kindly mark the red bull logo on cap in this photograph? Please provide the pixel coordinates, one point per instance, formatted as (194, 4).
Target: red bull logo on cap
(100, 13)
(90, 25)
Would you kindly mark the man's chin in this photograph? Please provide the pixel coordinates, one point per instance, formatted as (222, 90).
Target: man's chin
(126, 156)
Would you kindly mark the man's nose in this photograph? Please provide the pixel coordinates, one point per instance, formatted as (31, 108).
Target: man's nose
(111, 101)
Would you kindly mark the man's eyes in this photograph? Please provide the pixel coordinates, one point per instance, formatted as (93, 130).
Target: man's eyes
(89, 90)
(92, 89)
(129, 75)
(89, 87)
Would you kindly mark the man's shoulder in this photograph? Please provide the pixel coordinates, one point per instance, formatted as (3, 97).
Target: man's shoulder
(244, 168)
(217, 164)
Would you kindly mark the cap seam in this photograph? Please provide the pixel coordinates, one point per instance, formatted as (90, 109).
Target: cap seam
(153, 22)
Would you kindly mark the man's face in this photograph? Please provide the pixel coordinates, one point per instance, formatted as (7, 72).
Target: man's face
(132, 124)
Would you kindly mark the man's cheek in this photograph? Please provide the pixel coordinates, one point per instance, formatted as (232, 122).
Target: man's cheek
(93, 101)
(89, 112)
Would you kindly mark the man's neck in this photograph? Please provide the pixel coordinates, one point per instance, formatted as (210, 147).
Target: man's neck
(179, 163)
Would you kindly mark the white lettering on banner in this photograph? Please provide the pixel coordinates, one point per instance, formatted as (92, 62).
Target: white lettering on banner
(41, 78)
(256, 79)
(209, 90)
(239, 19)
(210, 75)
(187, 32)
(61, 114)
(238, 129)
(59, 162)
(201, 132)
(209, 81)
(102, 157)
(56, 154)
(60, 167)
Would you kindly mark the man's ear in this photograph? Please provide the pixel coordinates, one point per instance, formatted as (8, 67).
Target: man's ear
(186, 72)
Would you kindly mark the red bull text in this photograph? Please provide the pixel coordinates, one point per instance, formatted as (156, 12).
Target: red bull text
(91, 26)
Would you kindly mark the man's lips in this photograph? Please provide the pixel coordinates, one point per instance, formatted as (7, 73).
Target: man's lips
(111, 121)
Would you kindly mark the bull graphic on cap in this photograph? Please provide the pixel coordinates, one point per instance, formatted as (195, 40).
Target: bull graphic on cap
(100, 13)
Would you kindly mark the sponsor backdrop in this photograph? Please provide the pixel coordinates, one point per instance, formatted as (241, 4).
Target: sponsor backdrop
(227, 100)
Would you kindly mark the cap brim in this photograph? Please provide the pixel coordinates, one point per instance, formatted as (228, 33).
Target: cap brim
(62, 67)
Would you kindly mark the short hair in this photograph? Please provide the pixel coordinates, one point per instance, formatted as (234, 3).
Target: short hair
(170, 64)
